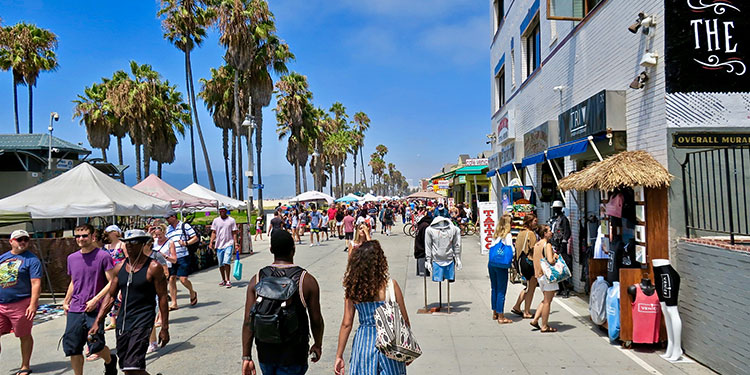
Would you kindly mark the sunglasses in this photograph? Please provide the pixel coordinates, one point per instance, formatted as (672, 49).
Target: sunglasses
(81, 236)
(22, 239)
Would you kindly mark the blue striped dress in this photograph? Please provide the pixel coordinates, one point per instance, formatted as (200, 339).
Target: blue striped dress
(366, 358)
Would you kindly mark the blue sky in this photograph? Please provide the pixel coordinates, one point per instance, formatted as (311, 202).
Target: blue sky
(418, 68)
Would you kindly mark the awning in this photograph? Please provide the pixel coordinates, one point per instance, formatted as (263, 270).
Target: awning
(578, 146)
(502, 170)
(491, 173)
(533, 159)
(470, 170)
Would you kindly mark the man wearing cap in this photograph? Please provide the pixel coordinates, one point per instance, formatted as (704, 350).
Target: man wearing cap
(183, 235)
(20, 285)
(90, 270)
(224, 240)
(141, 281)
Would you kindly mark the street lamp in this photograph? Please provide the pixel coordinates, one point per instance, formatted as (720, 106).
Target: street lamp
(56, 117)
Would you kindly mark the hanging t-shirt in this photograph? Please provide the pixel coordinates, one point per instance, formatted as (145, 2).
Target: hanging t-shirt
(16, 272)
(601, 246)
(613, 312)
(646, 317)
(88, 273)
(597, 301)
(614, 206)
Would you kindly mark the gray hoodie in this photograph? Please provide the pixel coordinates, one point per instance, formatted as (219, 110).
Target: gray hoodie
(442, 242)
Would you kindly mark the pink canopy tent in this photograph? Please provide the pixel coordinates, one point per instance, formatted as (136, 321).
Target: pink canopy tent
(156, 187)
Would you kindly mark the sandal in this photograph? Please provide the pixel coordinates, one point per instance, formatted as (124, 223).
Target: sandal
(173, 308)
(494, 316)
(504, 321)
(25, 371)
(549, 330)
(529, 316)
(517, 312)
(92, 358)
(535, 325)
(194, 298)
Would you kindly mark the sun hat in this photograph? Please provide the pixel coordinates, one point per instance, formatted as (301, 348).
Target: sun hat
(18, 233)
(113, 228)
(136, 234)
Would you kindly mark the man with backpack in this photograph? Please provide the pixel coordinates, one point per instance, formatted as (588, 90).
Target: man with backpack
(276, 314)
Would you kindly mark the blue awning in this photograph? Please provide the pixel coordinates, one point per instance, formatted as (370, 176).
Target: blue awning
(578, 146)
(505, 168)
(491, 173)
(533, 159)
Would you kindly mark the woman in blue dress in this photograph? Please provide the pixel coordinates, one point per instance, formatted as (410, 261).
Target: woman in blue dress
(365, 284)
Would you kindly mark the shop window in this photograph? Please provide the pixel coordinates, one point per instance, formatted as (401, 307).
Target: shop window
(499, 7)
(500, 87)
(570, 10)
(531, 48)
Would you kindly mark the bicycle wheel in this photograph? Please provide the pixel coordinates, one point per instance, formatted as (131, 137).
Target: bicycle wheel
(407, 228)
(413, 231)
(470, 229)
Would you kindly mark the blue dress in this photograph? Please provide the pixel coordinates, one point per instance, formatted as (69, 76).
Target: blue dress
(366, 358)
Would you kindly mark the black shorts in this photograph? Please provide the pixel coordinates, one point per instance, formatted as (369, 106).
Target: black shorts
(77, 327)
(131, 348)
(181, 268)
(667, 282)
(348, 235)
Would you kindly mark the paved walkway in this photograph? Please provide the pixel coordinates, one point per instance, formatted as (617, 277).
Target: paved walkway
(206, 338)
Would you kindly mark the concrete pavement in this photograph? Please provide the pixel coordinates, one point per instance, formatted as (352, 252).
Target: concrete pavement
(206, 338)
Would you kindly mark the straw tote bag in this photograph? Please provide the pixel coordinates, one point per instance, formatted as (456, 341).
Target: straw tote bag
(394, 337)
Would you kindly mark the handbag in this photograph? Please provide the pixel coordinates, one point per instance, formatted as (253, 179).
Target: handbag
(555, 272)
(501, 255)
(237, 267)
(394, 337)
(525, 265)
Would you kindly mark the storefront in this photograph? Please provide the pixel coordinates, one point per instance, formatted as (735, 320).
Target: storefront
(471, 185)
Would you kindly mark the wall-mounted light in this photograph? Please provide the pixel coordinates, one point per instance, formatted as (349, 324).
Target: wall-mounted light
(640, 81)
(558, 88)
(649, 59)
(644, 20)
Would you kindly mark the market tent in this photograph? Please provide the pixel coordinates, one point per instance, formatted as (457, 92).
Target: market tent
(425, 195)
(348, 198)
(628, 168)
(83, 191)
(369, 198)
(206, 193)
(313, 195)
(156, 187)
(12, 217)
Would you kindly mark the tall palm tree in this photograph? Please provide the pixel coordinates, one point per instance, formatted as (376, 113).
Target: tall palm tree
(172, 115)
(362, 123)
(11, 52)
(341, 123)
(92, 109)
(378, 166)
(292, 98)
(184, 24)
(217, 93)
(117, 127)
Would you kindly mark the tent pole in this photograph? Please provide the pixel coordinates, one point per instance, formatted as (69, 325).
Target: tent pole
(596, 150)
(557, 182)
(517, 174)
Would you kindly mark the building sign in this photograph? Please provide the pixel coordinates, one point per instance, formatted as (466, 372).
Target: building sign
(708, 140)
(462, 179)
(706, 45)
(502, 129)
(64, 164)
(487, 223)
(605, 110)
(495, 161)
(475, 162)
(442, 185)
(536, 140)
(508, 154)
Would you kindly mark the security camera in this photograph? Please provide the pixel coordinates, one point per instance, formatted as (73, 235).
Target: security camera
(640, 81)
(638, 23)
(649, 59)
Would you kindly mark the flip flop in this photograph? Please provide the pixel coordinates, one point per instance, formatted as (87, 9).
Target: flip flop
(535, 325)
(173, 308)
(194, 299)
(24, 372)
(549, 330)
(517, 312)
(504, 321)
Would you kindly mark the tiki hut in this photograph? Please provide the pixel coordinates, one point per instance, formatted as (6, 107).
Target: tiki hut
(628, 168)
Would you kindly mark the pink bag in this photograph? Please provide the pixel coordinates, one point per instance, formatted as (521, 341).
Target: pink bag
(614, 207)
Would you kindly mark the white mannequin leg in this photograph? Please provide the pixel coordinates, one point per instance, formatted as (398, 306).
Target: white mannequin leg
(675, 337)
(670, 333)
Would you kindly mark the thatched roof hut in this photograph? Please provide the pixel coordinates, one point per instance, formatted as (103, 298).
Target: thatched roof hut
(628, 168)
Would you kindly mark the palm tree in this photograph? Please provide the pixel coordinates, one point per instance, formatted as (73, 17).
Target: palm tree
(292, 98)
(340, 119)
(172, 115)
(184, 24)
(117, 127)
(11, 52)
(362, 123)
(92, 109)
(217, 93)
(378, 166)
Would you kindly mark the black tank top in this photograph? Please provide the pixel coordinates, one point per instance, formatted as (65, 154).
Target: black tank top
(294, 352)
(138, 300)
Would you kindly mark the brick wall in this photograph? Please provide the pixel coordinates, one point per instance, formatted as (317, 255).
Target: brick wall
(713, 304)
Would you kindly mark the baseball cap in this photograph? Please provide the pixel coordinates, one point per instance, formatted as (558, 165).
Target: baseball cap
(557, 204)
(223, 207)
(18, 233)
(113, 228)
(170, 213)
(136, 234)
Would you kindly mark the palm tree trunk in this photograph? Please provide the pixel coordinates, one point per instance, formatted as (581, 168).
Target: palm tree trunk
(354, 175)
(158, 169)
(338, 182)
(119, 158)
(146, 159)
(235, 130)
(343, 178)
(240, 170)
(258, 113)
(304, 175)
(104, 154)
(209, 171)
(138, 162)
(330, 184)
(193, 115)
(362, 161)
(296, 177)
(15, 103)
(31, 109)
(225, 146)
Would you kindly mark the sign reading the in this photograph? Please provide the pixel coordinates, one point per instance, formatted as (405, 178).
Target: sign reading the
(587, 118)
(487, 223)
(706, 45)
(708, 140)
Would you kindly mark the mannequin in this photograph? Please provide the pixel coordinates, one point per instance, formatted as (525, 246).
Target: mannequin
(668, 287)
(646, 312)
(560, 226)
(443, 252)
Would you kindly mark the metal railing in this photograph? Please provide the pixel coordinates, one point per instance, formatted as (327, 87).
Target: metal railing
(715, 191)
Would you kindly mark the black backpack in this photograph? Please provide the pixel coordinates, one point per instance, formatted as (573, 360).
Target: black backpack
(274, 315)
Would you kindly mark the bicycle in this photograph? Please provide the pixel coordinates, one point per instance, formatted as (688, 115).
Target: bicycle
(408, 227)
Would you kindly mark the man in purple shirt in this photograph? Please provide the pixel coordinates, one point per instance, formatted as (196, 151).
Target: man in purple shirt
(90, 271)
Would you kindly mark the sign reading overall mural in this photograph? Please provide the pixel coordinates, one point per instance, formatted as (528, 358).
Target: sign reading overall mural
(707, 43)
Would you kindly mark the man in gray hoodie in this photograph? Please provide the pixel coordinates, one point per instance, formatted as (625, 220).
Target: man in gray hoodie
(443, 249)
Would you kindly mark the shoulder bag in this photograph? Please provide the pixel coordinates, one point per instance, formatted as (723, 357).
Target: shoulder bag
(524, 263)
(501, 255)
(554, 272)
(394, 337)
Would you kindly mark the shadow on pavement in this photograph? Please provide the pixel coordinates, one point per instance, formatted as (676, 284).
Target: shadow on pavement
(456, 306)
(54, 368)
(183, 319)
(173, 348)
(202, 304)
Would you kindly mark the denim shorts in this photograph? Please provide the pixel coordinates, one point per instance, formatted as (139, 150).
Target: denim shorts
(181, 268)
(274, 369)
(224, 255)
(440, 273)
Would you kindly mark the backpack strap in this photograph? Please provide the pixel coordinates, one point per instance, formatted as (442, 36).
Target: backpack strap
(301, 293)
(390, 295)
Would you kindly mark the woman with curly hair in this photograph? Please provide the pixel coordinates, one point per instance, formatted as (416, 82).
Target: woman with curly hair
(365, 283)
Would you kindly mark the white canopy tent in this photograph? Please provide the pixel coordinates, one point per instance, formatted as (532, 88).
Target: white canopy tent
(313, 195)
(369, 198)
(206, 193)
(83, 191)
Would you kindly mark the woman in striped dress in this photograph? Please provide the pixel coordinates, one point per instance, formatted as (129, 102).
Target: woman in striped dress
(365, 284)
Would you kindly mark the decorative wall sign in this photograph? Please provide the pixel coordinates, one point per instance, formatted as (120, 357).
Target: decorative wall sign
(586, 118)
(640, 233)
(536, 140)
(508, 154)
(640, 213)
(710, 139)
(638, 194)
(706, 45)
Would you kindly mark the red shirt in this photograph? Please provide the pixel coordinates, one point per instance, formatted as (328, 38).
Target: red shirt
(332, 213)
(348, 224)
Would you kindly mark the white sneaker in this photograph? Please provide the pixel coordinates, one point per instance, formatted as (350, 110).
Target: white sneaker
(228, 284)
(312, 244)
(318, 243)
(152, 347)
